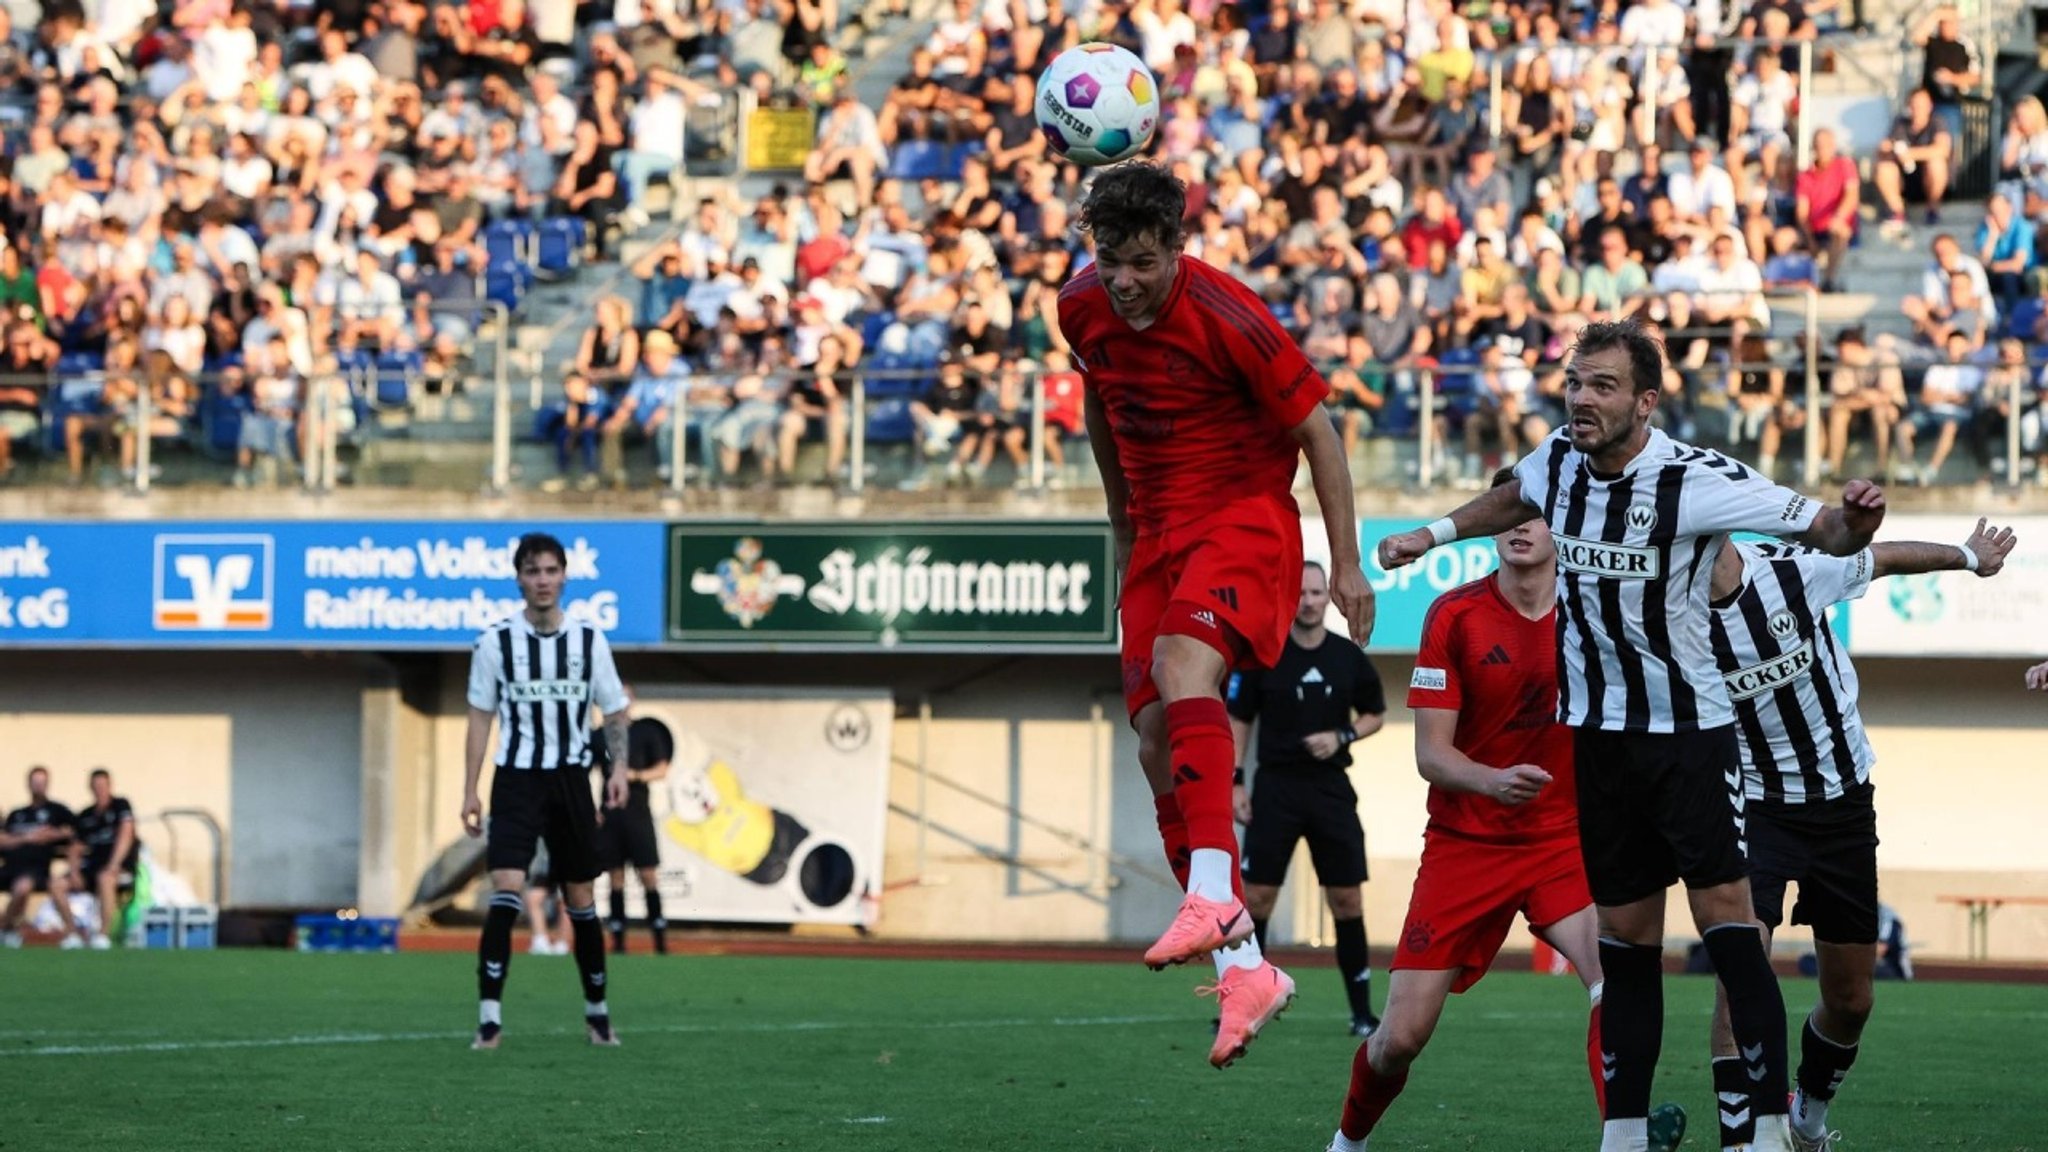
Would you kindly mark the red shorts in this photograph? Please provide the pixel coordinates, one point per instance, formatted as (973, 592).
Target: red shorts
(1467, 894)
(1239, 569)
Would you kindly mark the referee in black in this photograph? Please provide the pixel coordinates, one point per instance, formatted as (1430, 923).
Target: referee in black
(1322, 697)
(626, 837)
(538, 675)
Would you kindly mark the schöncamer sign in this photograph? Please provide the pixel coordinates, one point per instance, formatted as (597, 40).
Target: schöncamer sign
(1015, 585)
(315, 584)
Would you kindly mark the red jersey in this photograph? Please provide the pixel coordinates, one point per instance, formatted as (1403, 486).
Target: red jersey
(1203, 402)
(1825, 190)
(1497, 669)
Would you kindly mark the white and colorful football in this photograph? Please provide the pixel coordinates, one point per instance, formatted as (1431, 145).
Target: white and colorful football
(1097, 104)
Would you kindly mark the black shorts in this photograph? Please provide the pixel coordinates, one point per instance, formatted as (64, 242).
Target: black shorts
(92, 867)
(1320, 805)
(531, 805)
(1656, 808)
(38, 872)
(626, 838)
(1829, 849)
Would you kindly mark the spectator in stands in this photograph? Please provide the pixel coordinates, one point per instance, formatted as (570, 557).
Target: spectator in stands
(577, 432)
(816, 405)
(1946, 404)
(1616, 286)
(1702, 186)
(610, 350)
(1790, 268)
(1948, 398)
(1951, 67)
(1760, 121)
(1829, 205)
(1936, 299)
(1504, 407)
(1913, 162)
(941, 414)
(1863, 384)
(270, 428)
(2005, 247)
(750, 424)
(647, 407)
(2013, 390)
(1960, 311)
(588, 187)
(2023, 156)
(850, 145)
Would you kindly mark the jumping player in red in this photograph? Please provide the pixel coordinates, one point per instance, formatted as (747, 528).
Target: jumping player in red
(1199, 408)
(1503, 833)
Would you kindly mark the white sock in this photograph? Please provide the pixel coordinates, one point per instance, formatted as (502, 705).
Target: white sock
(1631, 1135)
(1772, 1132)
(595, 1008)
(1242, 955)
(1209, 874)
(1809, 1116)
(1342, 1143)
(487, 1013)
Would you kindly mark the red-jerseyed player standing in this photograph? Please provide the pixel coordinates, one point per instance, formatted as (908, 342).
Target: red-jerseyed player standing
(1199, 408)
(1503, 833)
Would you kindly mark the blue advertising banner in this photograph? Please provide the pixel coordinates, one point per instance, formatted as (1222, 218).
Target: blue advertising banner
(315, 584)
(1403, 596)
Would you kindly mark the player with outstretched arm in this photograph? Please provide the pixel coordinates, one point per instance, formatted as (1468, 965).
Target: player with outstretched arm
(1812, 816)
(1638, 519)
(1199, 408)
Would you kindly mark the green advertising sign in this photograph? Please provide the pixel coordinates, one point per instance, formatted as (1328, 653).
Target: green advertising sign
(1003, 584)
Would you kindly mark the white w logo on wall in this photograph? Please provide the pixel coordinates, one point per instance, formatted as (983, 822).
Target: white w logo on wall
(214, 583)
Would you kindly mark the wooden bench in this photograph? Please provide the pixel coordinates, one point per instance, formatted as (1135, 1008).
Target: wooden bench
(1980, 909)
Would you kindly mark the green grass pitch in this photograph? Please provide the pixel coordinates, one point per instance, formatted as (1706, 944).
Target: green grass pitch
(279, 1052)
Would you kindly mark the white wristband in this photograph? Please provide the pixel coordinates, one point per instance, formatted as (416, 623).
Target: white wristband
(1442, 532)
(1969, 557)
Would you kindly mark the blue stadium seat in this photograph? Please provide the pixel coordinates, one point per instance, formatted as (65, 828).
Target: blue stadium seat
(871, 329)
(394, 374)
(220, 421)
(1399, 416)
(889, 422)
(509, 241)
(560, 245)
(507, 283)
(2025, 315)
(919, 160)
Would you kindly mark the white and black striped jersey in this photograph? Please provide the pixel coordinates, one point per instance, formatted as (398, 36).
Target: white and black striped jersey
(1635, 559)
(542, 688)
(1793, 686)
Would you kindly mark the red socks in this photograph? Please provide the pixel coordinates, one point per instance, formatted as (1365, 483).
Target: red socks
(1369, 1097)
(1203, 754)
(1173, 833)
(1593, 1064)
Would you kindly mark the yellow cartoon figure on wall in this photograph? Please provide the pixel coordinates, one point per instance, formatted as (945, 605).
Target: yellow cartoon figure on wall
(711, 815)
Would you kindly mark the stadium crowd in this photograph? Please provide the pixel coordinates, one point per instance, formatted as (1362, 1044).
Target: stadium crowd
(261, 211)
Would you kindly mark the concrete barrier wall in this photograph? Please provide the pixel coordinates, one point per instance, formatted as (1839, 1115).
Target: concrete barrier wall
(339, 777)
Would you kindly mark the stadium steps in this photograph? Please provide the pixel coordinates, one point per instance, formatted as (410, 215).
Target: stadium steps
(1887, 269)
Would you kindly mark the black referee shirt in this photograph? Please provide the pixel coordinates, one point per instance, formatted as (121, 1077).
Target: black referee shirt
(1318, 689)
(648, 742)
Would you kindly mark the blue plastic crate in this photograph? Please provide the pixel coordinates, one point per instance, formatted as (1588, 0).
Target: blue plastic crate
(345, 934)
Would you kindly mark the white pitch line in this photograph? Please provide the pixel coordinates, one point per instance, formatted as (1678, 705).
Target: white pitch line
(325, 1039)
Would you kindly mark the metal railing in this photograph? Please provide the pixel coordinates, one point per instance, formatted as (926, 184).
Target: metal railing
(1414, 392)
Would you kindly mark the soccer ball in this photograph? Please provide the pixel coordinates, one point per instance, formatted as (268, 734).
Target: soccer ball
(1097, 104)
